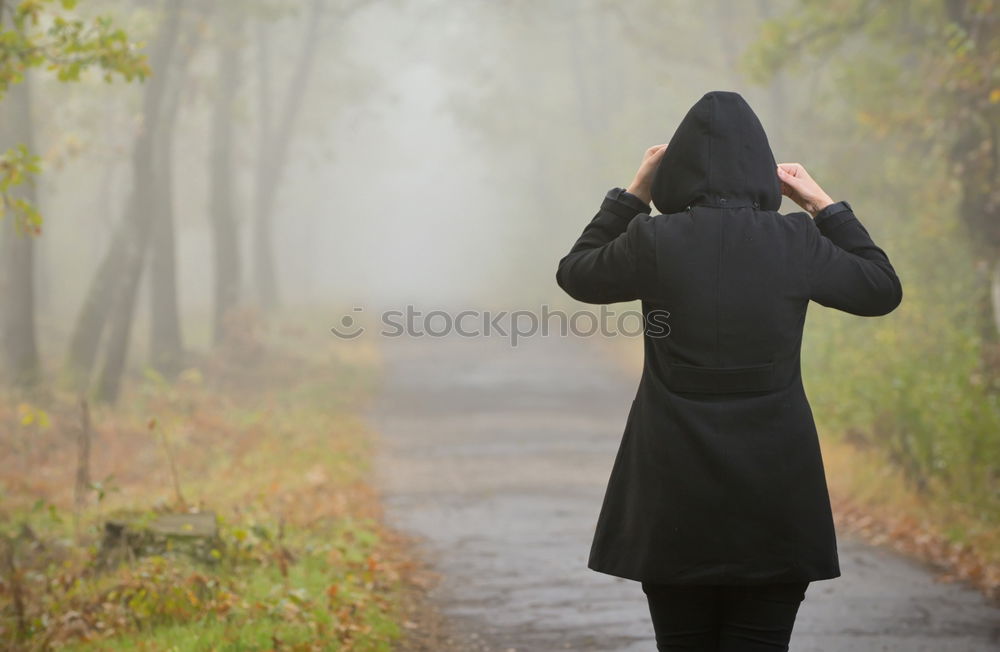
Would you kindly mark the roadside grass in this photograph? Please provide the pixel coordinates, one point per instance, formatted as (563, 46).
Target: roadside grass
(267, 435)
(874, 501)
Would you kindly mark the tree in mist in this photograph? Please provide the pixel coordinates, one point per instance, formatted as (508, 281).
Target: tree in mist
(928, 73)
(17, 249)
(142, 211)
(276, 127)
(165, 338)
(110, 300)
(33, 35)
(222, 171)
(277, 123)
(100, 338)
(572, 111)
(907, 116)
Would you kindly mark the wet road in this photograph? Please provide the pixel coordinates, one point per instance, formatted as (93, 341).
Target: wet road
(497, 457)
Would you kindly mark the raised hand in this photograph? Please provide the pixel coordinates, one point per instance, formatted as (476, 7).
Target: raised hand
(797, 185)
(641, 185)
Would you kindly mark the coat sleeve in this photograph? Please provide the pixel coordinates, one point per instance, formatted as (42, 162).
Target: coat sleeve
(613, 260)
(846, 270)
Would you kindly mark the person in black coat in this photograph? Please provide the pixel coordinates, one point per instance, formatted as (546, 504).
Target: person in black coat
(717, 501)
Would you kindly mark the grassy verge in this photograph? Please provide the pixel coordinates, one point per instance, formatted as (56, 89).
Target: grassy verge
(265, 435)
(873, 500)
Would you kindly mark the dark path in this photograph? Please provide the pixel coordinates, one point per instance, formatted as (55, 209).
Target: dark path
(497, 457)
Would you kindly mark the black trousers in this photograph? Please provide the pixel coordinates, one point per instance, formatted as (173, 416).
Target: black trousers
(724, 618)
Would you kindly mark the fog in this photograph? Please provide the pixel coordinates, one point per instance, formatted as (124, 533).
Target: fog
(445, 153)
(201, 202)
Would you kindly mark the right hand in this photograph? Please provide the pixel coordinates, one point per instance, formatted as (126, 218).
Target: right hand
(797, 185)
(641, 185)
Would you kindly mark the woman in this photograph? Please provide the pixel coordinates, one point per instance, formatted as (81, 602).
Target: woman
(717, 500)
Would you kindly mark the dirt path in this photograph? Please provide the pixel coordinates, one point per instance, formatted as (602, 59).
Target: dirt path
(497, 457)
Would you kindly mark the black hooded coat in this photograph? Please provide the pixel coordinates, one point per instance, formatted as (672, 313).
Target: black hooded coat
(719, 477)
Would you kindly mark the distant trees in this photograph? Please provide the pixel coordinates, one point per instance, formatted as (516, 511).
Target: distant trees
(276, 129)
(107, 312)
(35, 34)
(928, 73)
(142, 209)
(110, 300)
(222, 170)
(256, 69)
(906, 115)
(17, 247)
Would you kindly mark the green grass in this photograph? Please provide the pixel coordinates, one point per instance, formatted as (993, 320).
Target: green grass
(275, 611)
(273, 444)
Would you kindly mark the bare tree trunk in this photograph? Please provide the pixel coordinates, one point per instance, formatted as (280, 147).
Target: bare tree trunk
(139, 218)
(165, 342)
(132, 265)
(44, 282)
(273, 158)
(263, 264)
(975, 155)
(90, 323)
(225, 233)
(93, 316)
(98, 304)
(82, 484)
(20, 347)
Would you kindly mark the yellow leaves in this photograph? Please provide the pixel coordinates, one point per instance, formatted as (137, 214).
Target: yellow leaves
(29, 9)
(17, 167)
(29, 415)
(39, 36)
(995, 96)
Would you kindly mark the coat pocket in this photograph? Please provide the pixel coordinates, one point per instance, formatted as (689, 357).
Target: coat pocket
(720, 380)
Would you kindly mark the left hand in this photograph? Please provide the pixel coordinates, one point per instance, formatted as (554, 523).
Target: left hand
(799, 186)
(641, 185)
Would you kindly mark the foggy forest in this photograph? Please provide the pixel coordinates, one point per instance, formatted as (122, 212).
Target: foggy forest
(210, 439)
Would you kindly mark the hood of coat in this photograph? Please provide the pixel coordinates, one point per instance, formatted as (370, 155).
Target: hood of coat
(719, 156)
